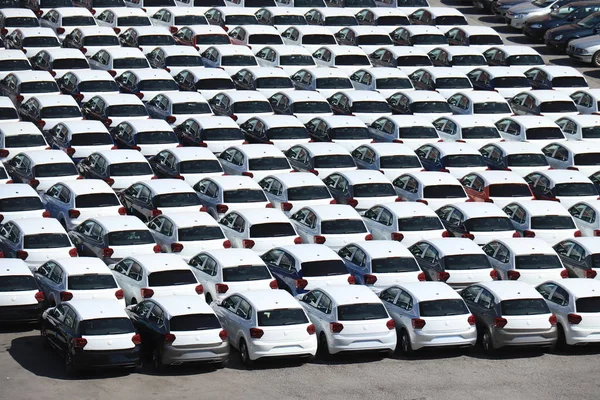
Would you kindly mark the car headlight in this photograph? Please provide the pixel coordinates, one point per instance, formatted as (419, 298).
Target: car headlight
(559, 37)
(536, 26)
(518, 16)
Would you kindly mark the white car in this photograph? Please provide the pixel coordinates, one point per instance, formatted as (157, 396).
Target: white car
(519, 57)
(498, 187)
(574, 302)
(31, 40)
(303, 104)
(266, 323)
(288, 58)
(29, 84)
(545, 102)
(311, 37)
(538, 130)
(241, 105)
(345, 130)
(146, 83)
(12, 60)
(368, 38)
(364, 104)
(385, 80)
(445, 80)
(556, 77)
(222, 272)
(565, 186)
(547, 220)
(120, 169)
(462, 58)
(348, 58)
(20, 295)
(201, 37)
(405, 58)
(176, 107)
(350, 318)
(320, 158)
(585, 214)
(529, 260)
(455, 158)
(405, 222)
(508, 81)
(434, 189)
(581, 127)
(177, 17)
(216, 133)
(282, 131)
(266, 80)
(280, 17)
(122, 18)
(8, 111)
(79, 139)
(326, 81)
(143, 276)
(391, 159)
(64, 19)
(423, 37)
(229, 58)
(333, 18)
(90, 39)
(41, 168)
(64, 279)
(420, 103)
(20, 200)
(83, 84)
(48, 110)
(413, 131)
(254, 160)
(146, 38)
(429, 314)
(148, 136)
(480, 103)
(175, 59)
(35, 240)
(471, 129)
(254, 35)
(334, 225)
(579, 256)
(519, 157)
(583, 156)
(437, 16)
(117, 60)
(189, 164)
(258, 229)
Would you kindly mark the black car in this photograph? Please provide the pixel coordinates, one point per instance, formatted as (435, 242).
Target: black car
(559, 37)
(568, 14)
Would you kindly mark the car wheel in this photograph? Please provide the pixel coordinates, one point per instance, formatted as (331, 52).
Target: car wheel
(133, 301)
(44, 337)
(323, 347)
(561, 345)
(209, 298)
(70, 368)
(487, 343)
(596, 59)
(244, 353)
(405, 345)
(157, 362)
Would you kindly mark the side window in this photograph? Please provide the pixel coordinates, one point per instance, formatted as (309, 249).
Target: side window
(560, 297)
(404, 301)
(546, 290)
(471, 293)
(324, 304)
(135, 272)
(157, 316)
(486, 300)
(70, 319)
(385, 218)
(244, 310)
(389, 295)
(312, 298)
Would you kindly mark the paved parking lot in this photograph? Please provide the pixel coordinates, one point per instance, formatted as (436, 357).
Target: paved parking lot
(27, 371)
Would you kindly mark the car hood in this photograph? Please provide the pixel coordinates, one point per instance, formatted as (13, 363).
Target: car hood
(568, 29)
(586, 41)
(527, 8)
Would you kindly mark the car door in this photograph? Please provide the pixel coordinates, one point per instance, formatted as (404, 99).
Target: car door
(356, 262)
(319, 308)
(500, 258)
(42, 275)
(573, 257)
(161, 229)
(139, 317)
(428, 259)
(234, 227)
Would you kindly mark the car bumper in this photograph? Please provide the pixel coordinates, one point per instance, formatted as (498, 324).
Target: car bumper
(537, 34)
(543, 338)
(306, 348)
(554, 44)
(22, 314)
(580, 336)
(210, 354)
(455, 339)
(515, 23)
(100, 359)
(373, 342)
(586, 58)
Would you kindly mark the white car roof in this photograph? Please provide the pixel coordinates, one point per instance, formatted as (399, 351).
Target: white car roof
(527, 246)
(498, 72)
(516, 50)
(228, 50)
(186, 219)
(441, 11)
(270, 299)
(285, 49)
(477, 30)
(112, 99)
(87, 186)
(163, 186)
(13, 54)
(581, 146)
(21, 190)
(409, 209)
(98, 308)
(121, 223)
(304, 95)
(430, 178)
(192, 153)
(533, 121)
(161, 262)
(16, 128)
(543, 95)
(33, 76)
(470, 120)
(590, 244)
(449, 148)
(259, 29)
(124, 52)
(14, 266)
(341, 121)
(267, 72)
(216, 122)
(49, 100)
(183, 305)
(246, 95)
(480, 210)
(263, 215)
(311, 252)
(454, 246)
(444, 72)
(554, 71)
(96, 30)
(276, 11)
(508, 290)
(580, 287)
(411, 120)
(315, 29)
(385, 11)
(584, 120)
(360, 176)
(327, 73)
(91, 74)
(5, 102)
(260, 150)
(351, 294)
(543, 207)
(398, 51)
(368, 30)
(234, 182)
(425, 291)
(127, 12)
(334, 11)
(47, 156)
(384, 248)
(151, 73)
(203, 29)
(459, 50)
(184, 97)
(334, 211)
(342, 50)
(422, 30)
(32, 226)
(147, 125)
(83, 265)
(482, 96)
(122, 156)
(500, 177)
(297, 179)
(225, 11)
(390, 149)
(17, 12)
(386, 72)
(179, 50)
(235, 257)
(72, 11)
(363, 95)
(36, 31)
(271, 121)
(85, 126)
(150, 30)
(515, 147)
(565, 176)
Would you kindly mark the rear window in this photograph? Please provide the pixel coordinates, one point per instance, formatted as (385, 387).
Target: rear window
(200, 233)
(394, 264)
(282, 316)
(491, 108)
(552, 222)
(51, 170)
(400, 162)
(466, 261)
(343, 226)
(419, 224)
(194, 322)
(17, 283)
(308, 193)
(334, 161)
(214, 83)
(587, 305)
(441, 308)
(351, 133)
(511, 82)
(324, 268)
(444, 192)
(569, 81)
(155, 138)
(537, 261)
(510, 190)
(576, 189)
(126, 110)
(591, 132)
(527, 160)
(47, 241)
(544, 133)
(374, 190)
(268, 163)
(489, 224)
(20, 204)
(127, 238)
(419, 132)
(265, 39)
(245, 273)
(24, 140)
(558, 107)
(96, 200)
(199, 166)
(91, 139)
(361, 312)
(60, 111)
(291, 132)
(172, 278)
(273, 229)
(524, 307)
(587, 159)
(130, 169)
(8, 113)
(426, 107)
(453, 83)
(244, 196)
(39, 86)
(222, 134)
(467, 160)
(177, 200)
(106, 326)
(91, 282)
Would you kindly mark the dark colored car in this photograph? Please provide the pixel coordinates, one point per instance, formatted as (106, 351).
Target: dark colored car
(568, 14)
(559, 37)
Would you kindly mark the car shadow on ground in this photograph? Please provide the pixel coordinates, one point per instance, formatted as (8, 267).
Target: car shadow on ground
(434, 354)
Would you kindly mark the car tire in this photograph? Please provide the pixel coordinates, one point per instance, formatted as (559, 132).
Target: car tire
(157, 362)
(404, 344)
(70, 368)
(487, 343)
(208, 298)
(323, 347)
(133, 301)
(245, 353)
(596, 59)
(44, 337)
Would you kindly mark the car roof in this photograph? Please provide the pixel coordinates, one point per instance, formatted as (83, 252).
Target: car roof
(581, 146)
(324, 148)
(150, 73)
(439, 11)
(459, 50)
(265, 72)
(454, 246)
(98, 308)
(259, 150)
(246, 95)
(304, 95)
(533, 121)
(479, 210)
(341, 50)
(326, 73)
(429, 178)
(298, 179)
(385, 72)
(543, 207)
(469, 120)
(477, 30)
(20, 190)
(61, 52)
(50, 100)
(548, 95)
(368, 30)
(127, 11)
(112, 99)
(279, 120)
(150, 30)
(259, 29)
(383, 248)
(314, 29)
(398, 51)
(72, 11)
(184, 97)
(481, 96)
(163, 186)
(85, 126)
(235, 257)
(496, 72)
(5, 102)
(443, 72)
(91, 74)
(179, 50)
(425, 291)
(310, 252)
(554, 71)
(508, 290)
(350, 294)
(33, 76)
(585, 120)
(96, 30)
(228, 50)
(13, 54)
(147, 125)
(448, 148)
(263, 215)
(124, 52)
(341, 121)
(527, 246)
(512, 50)
(410, 209)
(17, 128)
(185, 219)
(287, 49)
(386, 11)
(422, 29)
(270, 299)
(36, 31)
(516, 147)
(390, 149)
(334, 211)
(32, 226)
(363, 95)
(83, 265)
(234, 10)
(14, 266)
(161, 262)
(203, 29)
(182, 305)
(48, 156)
(17, 12)
(411, 120)
(333, 11)
(500, 177)
(87, 186)
(216, 122)
(192, 153)
(234, 182)
(122, 156)
(121, 223)
(361, 176)
(565, 176)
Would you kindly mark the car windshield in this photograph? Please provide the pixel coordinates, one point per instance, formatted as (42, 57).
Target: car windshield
(78, 20)
(96, 200)
(399, 162)
(13, 204)
(429, 107)
(480, 132)
(413, 61)
(418, 223)
(343, 226)
(214, 84)
(39, 87)
(296, 60)
(464, 160)
(212, 39)
(60, 112)
(569, 81)
(252, 107)
(373, 40)
(307, 193)
(176, 200)
(489, 224)
(128, 238)
(373, 190)
(172, 278)
(428, 39)
(587, 159)
(444, 192)
(282, 317)
(17, 283)
(370, 107)
(587, 305)
(272, 229)
(323, 268)
(158, 85)
(98, 86)
(418, 132)
(222, 134)
(450, 20)
(527, 160)
(442, 308)
(350, 133)
(590, 21)
(196, 233)
(46, 241)
(394, 83)
(274, 82)
(511, 82)
(311, 107)
(557, 106)
(291, 132)
(537, 261)
(238, 61)
(194, 322)
(318, 39)
(354, 59)
(21, 22)
(156, 40)
(52, 170)
(8, 113)
(552, 222)
(341, 20)
(392, 265)
(91, 139)
(471, 59)
(491, 108)
(40, 41)
(106, 326)
(187, 20)
(453, 83)
(265, 38)
(244, 273)
(524, 307)
(155, 137)
(130, 169)
(510, 190)
(234, 20)
(289, 20)
(14, 65)
(130, 63)
(268, 164)
(133, 21)
(466, 261)
(244, 196)
(591, 132)
(575, 189)
(361, 312)
(191, 108)
(91, 282)
(184, 61)
(199, 166)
